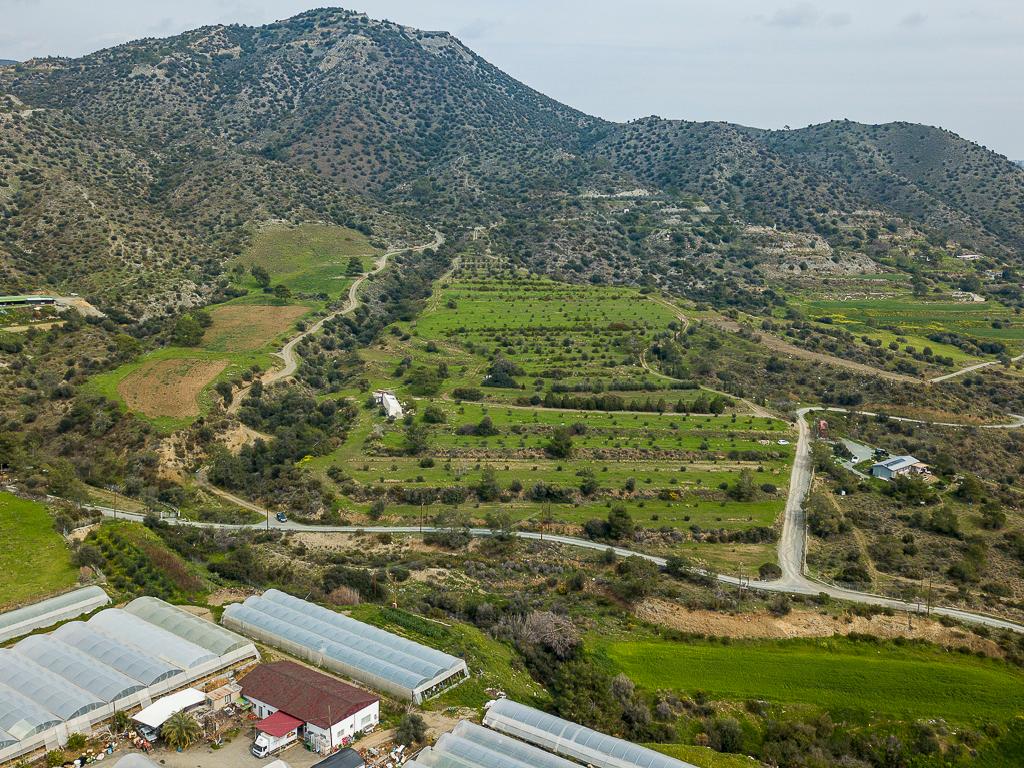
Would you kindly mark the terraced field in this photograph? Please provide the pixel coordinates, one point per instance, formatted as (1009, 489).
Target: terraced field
(571, 425)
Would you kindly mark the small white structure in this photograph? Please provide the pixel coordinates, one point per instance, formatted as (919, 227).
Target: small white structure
(152, 718)
(897, 466)
(388, 401)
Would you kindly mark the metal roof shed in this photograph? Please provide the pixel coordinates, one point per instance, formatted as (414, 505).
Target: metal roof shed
(571, 739)
(157, 713)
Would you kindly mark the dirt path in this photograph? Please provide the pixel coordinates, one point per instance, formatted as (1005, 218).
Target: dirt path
(287, 353)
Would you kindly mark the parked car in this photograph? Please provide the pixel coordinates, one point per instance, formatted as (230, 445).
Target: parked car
(281, 517)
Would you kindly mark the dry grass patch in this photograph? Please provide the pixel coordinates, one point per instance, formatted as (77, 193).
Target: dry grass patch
(169, 387)
(245, 327)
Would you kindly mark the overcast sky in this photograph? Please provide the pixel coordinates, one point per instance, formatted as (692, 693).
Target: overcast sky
(766, 63)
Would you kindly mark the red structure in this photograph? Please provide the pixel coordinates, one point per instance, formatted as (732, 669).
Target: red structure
(822, 429)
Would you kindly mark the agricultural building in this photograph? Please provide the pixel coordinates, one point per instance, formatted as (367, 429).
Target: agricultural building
(80, 674)
(46, 613)
(372, 656)
(345, 758)
(387, 401)
(897, 466)
(569, 739)
(324, 712)
(472, 746)
(26, 301)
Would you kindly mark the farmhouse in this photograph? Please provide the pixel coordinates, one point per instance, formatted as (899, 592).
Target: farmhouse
(297, 702)
(388, 401)
(897, 466)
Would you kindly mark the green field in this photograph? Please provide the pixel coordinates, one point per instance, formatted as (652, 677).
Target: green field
(34, 559)
(862, 681)
(913, 320)
(704, 757)
(309, 259)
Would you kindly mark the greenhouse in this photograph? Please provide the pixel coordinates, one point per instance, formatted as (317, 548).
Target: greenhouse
(79, 675)
(370, 655)
(472, 746)
(571, 739)
(46, 613)
(205, 634)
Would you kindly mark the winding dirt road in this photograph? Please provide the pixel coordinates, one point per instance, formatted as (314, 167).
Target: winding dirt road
(288, 354)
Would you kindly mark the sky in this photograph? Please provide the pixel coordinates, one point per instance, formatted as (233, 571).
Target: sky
(766, 63)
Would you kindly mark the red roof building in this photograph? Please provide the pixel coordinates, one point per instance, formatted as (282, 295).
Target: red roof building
(288, 694)
(278, 724)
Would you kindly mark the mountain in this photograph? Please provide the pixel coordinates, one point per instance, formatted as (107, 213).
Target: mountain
(7, 62)
(138, 168)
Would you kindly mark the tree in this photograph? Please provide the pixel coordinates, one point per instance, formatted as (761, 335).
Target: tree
(282, 291)
(992, 517)
(488, 488)
(743, 488)
(187, 332)
(502, 373)
(261, 276)
(417, 438)
(499, 520)
(225, 390)
(588, 482)
(560, 444)
(412, 729)
(434, 415)
(620, 524)
(181, 730)
(355, 266)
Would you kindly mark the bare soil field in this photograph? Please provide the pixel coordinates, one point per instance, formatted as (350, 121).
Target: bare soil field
(169, 387)
(244, 327)
(805, 623)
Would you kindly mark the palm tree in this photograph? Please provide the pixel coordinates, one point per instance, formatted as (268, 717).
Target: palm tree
(181, 730)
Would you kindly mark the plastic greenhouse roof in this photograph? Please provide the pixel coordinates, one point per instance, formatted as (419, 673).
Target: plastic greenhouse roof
(85, 599)
(499, 743)
(21, 717)
(49, 690)
(121, 625)
(249, 614)
(6, 739)
(129, 660)
(380, 651)
(78, 668)
(571, 739)
(203, 633)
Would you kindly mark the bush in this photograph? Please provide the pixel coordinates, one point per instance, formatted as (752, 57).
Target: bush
(769, 572)
(412, 729)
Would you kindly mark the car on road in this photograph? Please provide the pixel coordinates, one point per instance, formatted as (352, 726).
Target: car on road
(281, 517)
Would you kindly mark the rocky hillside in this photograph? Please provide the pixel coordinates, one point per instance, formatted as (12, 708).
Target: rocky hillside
(135, 170)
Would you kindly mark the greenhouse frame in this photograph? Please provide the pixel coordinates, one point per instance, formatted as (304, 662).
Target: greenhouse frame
(46, 613)
(572, 740)
(472, 746)
(379, 659)
(80, 674)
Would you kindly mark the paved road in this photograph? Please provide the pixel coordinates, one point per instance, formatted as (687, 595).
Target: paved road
(970, 368)
(287, 352)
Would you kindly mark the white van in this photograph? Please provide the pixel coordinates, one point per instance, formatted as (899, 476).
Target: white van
(266, 744)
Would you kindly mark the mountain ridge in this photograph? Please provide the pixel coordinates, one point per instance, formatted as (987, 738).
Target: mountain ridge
(383, 122)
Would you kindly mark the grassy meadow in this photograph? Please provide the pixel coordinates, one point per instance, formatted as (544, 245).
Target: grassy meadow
(855, 680)
(34, 559)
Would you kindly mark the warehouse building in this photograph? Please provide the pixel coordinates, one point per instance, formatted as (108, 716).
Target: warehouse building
(46, 613)
(323, 712)
(568, 739)
(77, 676)
(372, 656)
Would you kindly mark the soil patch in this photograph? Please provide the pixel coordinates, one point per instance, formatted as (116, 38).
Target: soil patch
(802, 623)
(169, 387)
(243, 327)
